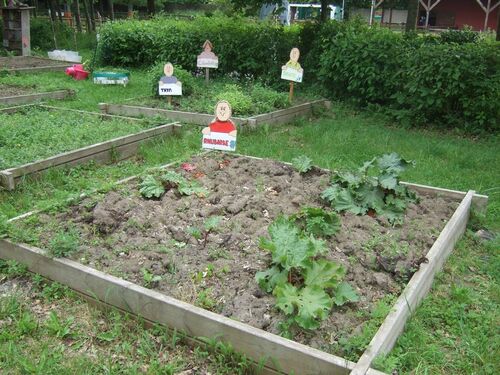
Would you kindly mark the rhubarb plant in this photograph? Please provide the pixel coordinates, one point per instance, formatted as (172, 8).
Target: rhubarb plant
(373, 189)
(302, 164)
(152, 187)
(306, 284)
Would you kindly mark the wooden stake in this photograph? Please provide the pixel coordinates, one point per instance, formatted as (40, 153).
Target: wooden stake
(290, 96)
(169, 100)
(207, 75)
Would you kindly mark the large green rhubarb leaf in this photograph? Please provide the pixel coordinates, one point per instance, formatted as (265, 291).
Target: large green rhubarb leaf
(393, 163)
(271, 277)
(313, 304)
(323, 273)
(345, 293)
(287, 247)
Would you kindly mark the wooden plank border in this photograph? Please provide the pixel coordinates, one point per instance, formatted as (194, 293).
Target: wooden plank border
(188, 117)
(417, 288)
(203, 119)
(113, 150)
(31, 98)
(281, 355)
(79, 111)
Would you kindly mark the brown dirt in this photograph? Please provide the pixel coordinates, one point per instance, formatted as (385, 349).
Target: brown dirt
(122, 233)
(27, 62)
(14, 90)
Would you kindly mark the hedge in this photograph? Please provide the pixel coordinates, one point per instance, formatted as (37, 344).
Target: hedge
(245, 48)
(451, 81)
(421, 80)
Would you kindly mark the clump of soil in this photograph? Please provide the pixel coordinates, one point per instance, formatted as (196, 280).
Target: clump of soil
(131, 237)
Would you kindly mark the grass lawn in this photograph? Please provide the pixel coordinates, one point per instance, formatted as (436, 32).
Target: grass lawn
(454, 332)
(35, 134)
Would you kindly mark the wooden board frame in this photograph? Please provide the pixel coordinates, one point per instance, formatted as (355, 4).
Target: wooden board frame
(59, 67)
(288, 356)
(104, 152)
(272, 118)
(36, 97)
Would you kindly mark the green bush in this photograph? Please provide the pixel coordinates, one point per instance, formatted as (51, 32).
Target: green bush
(187, 79)
(452, 85)
(466, 35)
(241, 102)
(248, 48)
(421, 79)
(267, 99)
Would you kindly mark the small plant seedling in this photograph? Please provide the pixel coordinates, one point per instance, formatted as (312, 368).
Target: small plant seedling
(64, 243)
(58, 327)
(302, 164)
(195, 232)
(149, 278)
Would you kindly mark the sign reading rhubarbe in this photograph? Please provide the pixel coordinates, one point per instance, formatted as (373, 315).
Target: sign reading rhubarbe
(221, 133)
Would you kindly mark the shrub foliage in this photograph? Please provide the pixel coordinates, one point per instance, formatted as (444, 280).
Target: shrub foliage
(452, 80)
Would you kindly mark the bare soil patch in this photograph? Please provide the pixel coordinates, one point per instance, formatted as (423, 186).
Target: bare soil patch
(126, 235)
(27, 62)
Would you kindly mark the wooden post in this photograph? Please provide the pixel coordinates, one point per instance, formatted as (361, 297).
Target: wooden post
(207, 75)
(290, 95)
(169, 99)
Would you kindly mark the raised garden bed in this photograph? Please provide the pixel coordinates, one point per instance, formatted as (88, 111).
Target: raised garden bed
(149, 242)
(12, 95)
(30, 64)
(272, 118)
(34, 139)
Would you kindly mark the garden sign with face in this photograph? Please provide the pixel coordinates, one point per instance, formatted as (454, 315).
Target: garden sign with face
(221, 133)
(168, 84)
(292, 71)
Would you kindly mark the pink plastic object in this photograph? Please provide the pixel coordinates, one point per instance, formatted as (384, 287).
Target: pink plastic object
(77, 72)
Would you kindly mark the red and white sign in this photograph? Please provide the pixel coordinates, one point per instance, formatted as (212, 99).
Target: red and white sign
(221, 133)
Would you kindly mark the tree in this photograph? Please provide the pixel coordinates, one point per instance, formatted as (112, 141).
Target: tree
(498, 26)
(411, 20)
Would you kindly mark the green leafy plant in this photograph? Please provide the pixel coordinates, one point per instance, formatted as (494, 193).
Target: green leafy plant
(380, 192)
(305, 284)
(302, 164)
(149, 278)
(58, 327)
(210, 225)
(152, 187)
(64, 243)
(316, 221)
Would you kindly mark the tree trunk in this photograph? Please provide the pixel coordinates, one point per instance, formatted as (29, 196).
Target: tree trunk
(130, 9)
(111, 9)
(92, 14)
(411, 20)
(87, 16)
(78, 18)
(151, 7)
(52, 7)
(59, 12)
(325, 11)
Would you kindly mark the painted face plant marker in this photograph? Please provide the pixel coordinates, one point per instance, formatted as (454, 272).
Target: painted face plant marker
(207, 59)
(221, 133)
(292, 71)
(169, 85)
